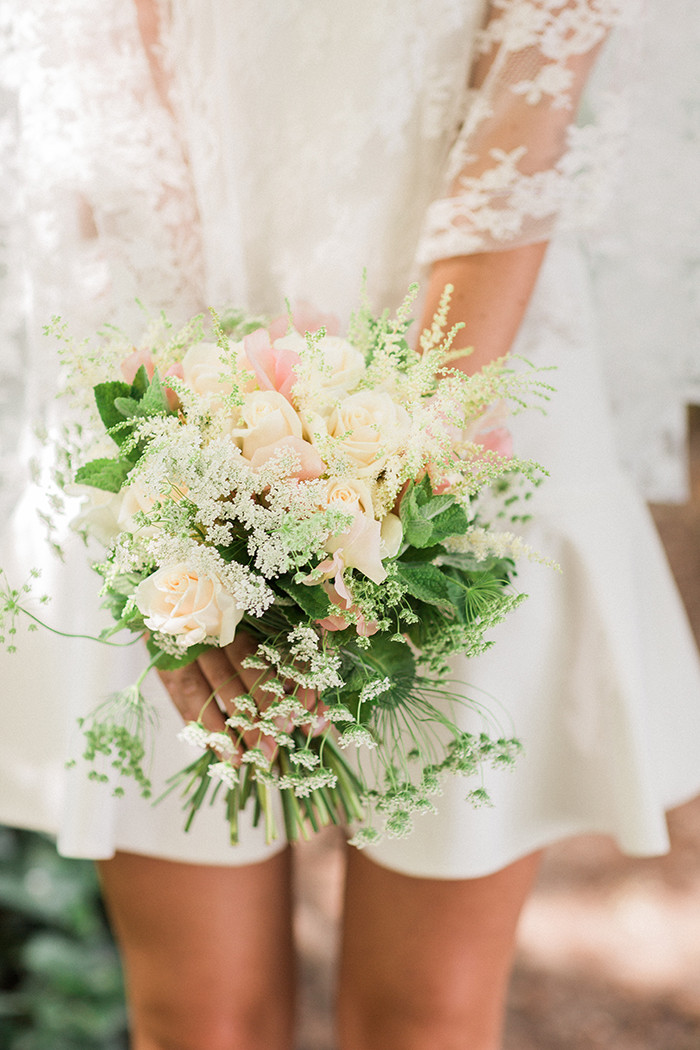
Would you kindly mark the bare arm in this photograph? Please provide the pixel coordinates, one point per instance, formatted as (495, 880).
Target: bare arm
(491, 293)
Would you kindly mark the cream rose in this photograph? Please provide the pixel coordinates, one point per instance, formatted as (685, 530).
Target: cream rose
(136, 497)
(269, 417)
(391, 535)
(343, 363)
(191, 606)
(98, 515)
(359, 545)
(369, 424)
(205, 373)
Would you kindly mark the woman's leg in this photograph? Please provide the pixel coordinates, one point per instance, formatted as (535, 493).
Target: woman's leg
(425, 962)
(207, 952)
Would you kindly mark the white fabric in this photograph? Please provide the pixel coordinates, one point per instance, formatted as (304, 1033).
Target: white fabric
(310, 140)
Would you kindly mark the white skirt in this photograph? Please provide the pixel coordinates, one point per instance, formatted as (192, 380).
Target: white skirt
(597, 671)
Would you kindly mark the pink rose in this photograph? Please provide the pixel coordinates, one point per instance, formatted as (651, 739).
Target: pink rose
(304, 319)
(274, 367)
(131, 364)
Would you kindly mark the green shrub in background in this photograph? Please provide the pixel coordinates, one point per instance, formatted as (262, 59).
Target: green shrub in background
(60, 978)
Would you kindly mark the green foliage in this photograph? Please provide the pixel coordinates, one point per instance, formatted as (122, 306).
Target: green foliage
(106, 474)
(118, 404)
(425, 582)
(312, 600)
(144, 399)
(60, 979)
(106, 395)
(428, 519)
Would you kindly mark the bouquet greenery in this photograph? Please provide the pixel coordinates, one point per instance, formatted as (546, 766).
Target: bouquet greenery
(325, 495)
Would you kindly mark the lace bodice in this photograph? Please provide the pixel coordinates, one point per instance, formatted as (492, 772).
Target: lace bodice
(297, 144)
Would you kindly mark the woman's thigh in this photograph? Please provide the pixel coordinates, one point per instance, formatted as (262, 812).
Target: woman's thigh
(207, 951)
(425, 962)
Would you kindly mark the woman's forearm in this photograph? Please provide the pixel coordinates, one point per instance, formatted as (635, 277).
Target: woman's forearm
(491, 294)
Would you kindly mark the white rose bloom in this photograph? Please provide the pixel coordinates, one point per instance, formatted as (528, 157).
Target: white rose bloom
(191, 606)
(205, 373)
(293, 341)
(391, 535)
(349, 494)
(99, 514)
(344, 365)
(370, 425)
(269, 417)
(345, 362)
(135, 497)
(360, 544)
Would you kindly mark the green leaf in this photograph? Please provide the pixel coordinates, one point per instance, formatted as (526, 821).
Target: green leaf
(128, 407)
(452, 521)
(313, 600)
(422, 554)
(140, 383)
(154, 402)
(418, 533)
(425, 582)
(105, 396)
(421, 512)
(106, 474)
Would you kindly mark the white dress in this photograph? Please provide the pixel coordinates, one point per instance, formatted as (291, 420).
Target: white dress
(300, 143)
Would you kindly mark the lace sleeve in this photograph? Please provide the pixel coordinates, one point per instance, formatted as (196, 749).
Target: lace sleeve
(522, 161)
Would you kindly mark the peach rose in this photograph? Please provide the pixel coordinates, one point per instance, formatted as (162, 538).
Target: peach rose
(339, 622)
(310, 463)
(191, 606)
(369, 424)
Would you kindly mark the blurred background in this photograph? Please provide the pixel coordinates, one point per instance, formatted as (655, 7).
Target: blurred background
(609, 949)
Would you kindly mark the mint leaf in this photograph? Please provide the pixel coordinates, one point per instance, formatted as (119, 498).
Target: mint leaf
(154, 402)
(425, 582)
(452, 521)
(140, 383)
(106, 474)
(105, 396)
(312, 600)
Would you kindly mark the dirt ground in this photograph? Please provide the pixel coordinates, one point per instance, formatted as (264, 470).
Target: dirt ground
(609, 947)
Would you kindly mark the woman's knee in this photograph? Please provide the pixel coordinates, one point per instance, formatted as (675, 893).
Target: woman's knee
(263, 1025)
(450, 1014)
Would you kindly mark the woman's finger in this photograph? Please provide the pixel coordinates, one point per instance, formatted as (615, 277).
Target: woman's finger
(231, 681)
(191, 694)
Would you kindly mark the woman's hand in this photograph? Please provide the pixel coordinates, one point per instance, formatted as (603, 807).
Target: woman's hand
(207, 689)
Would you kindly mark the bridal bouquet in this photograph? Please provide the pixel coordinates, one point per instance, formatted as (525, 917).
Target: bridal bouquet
(323, 494)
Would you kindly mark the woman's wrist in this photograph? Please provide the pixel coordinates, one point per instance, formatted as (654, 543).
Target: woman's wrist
(491, 294)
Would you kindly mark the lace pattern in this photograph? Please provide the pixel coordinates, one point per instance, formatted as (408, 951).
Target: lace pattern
(520, 165)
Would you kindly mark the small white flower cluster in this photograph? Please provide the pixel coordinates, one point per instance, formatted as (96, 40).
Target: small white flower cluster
(486, 543)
